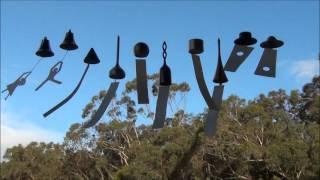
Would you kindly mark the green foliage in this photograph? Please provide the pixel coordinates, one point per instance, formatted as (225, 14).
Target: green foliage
(274, 136)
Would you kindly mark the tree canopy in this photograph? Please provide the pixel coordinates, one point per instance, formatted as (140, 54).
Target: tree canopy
(274, 136)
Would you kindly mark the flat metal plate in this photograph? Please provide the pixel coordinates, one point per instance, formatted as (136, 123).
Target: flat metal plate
(161, 109)
(142, 81)
(267, 64)
(238, 55)
(201, 82)
(111, 93)
(210, 125)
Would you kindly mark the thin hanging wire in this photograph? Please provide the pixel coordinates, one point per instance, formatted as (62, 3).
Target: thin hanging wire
(64, 56)
(35, 65)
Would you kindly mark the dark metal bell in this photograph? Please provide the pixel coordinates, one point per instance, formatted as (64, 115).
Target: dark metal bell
(272, 43)
(220, 76)
(165, 75)
(45, 50)
(69, 42)
(141, 50)
(91, 57)
(117, 72)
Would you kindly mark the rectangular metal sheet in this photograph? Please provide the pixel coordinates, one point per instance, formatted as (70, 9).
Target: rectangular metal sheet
(217, 96)
(268, 61)
(142, 81)
(210, 125)
(235, 60)
(161, 109)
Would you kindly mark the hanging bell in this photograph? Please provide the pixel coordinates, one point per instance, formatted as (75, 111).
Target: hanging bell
(45, 50)
(69, 42)
(91, 57)
(117, 72)
(165, 75)
(220, 76)
(141, 50)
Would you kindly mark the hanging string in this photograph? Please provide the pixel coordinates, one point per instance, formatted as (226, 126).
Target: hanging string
(64, 56)
(35, 65)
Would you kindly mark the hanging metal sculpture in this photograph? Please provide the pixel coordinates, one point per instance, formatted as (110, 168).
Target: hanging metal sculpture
(267, 63)
(164, 87)
(196, 47)
(68, 44)
(240, 51)
(91, 58)
(115, 73)
(141, 51)
(43, 52)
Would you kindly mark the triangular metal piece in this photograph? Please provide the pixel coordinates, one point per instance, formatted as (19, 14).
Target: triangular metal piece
(267, 63)
(238, 55)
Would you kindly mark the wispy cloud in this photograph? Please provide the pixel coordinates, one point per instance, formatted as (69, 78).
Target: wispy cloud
(305, 69)
(16, 130)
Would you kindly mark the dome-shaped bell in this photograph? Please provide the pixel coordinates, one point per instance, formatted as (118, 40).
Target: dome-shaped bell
(91, 57)
(271, 43)
(165, 75)
(141, 50)
(117, 72)
(220, 76)
(69, 42)
(45, 50)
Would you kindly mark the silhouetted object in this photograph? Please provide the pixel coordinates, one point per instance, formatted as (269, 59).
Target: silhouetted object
(240, 51)
(45, 50)
(19, 82)
(267, 63)
(165, 72)
(141, 51)
(91, 58)
(69, 42)
(117, 72)
(220, 76)
(53, 72)
(213, 101)
(245, 39)
(165, 82)
(195, 46)
(111, 93)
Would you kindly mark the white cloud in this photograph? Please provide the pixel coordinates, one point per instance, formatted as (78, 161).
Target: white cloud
(305, 69)
(16, 131)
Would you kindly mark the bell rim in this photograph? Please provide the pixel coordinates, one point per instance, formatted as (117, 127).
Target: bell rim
(272, 44)
(44, 54)
(69, 47)
(245, 42)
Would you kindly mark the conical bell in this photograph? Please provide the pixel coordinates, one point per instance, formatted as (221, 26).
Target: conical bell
(220, 76)
(44, 50)
(165, 75)
(117, 72)
(69, 42)
(91, 57)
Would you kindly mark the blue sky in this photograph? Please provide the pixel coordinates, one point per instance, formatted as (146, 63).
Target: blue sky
(97, 23)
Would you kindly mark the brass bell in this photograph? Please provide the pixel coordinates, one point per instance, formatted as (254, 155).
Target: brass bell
(91, 57)
(69, 42)
(117, 72)
(220, 76)
(45, 50)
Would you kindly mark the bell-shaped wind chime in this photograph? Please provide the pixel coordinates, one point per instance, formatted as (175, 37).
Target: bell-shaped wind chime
(240, 51)
(267, 64)
(141, 51)
(115, 73)
(214, 102)
(164, 87)
(68, 44)
(43, 52)
(91, 58)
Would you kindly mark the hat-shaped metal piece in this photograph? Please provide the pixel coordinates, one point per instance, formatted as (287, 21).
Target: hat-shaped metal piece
(69, 42)
(220, 76)
(245, 39)
(141, 50)
(91, 57)
(271, 43)
(45, 50)
(165, 72)
(195, 46)
(117, 72)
